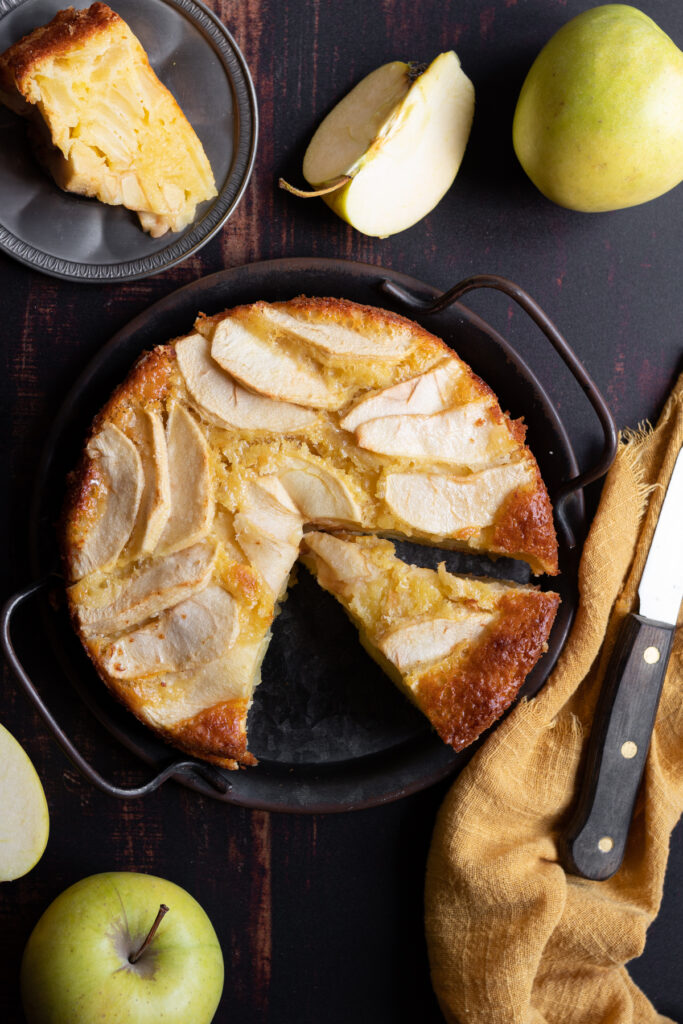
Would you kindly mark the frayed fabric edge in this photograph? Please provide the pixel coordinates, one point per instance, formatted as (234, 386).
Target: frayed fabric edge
(631, 443)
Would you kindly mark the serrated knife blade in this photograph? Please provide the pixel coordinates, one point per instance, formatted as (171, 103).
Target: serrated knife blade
(595, 840)
(661, 584)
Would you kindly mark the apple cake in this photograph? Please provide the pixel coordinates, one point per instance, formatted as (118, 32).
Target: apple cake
(103, 123)
(459, 647)
(225, 448)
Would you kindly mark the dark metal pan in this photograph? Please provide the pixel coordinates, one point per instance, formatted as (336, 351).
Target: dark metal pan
(330, 731)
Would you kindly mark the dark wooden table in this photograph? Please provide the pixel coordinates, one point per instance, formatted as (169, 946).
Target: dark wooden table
(320, 917)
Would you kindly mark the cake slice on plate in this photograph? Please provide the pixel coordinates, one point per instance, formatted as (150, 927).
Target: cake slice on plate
(105, 125)
(459, 647)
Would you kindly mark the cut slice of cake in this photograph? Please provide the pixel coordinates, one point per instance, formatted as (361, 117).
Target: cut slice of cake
(106, 125)
(459, 647)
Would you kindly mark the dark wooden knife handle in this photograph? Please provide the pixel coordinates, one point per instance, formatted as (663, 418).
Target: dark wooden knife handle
(593, 845)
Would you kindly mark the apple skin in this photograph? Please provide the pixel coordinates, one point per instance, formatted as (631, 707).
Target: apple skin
(25, 819)
(75, 967)
(599, 120)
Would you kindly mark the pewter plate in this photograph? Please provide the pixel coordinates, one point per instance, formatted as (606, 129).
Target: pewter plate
(77, 238)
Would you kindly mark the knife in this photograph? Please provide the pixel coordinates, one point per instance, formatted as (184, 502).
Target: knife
(593, 844)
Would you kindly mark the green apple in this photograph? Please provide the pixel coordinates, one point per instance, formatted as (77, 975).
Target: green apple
(82, 963)
(599, 120)
(390, 150)
(24, 819)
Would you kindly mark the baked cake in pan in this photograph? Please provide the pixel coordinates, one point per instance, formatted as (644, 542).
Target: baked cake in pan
(267, 426)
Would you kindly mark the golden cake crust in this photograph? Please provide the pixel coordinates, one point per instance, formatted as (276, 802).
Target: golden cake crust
(336, 311)
(218, 729)
(67, 29)
(463, 705)
(525, 523)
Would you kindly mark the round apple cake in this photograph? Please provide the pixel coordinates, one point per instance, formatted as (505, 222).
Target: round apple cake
(222, 452)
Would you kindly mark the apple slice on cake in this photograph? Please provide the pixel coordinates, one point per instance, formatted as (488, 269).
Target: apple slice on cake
(459, 647)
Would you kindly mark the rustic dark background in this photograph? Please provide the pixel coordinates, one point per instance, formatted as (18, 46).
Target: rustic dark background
(320, 917)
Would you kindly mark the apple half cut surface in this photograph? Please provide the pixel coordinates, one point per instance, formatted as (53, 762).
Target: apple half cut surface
(122, 948)
(24, 821)
(390, 150)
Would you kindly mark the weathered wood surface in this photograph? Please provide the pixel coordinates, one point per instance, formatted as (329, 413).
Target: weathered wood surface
(320, 917)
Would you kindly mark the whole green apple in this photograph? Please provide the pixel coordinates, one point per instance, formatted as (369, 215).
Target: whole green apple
(599, 120)
(82, 962)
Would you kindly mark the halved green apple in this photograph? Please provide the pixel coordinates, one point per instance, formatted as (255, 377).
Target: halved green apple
(24, 821)
(390, 150)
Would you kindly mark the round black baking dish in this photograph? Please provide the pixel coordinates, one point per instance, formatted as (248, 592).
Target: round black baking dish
(330, 731)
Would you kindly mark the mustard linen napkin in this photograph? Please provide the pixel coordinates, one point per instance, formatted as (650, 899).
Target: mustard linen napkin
(512, 939)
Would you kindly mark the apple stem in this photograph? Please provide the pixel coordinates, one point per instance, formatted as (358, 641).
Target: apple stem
(134, 957)
(415, 70)
(330, 186)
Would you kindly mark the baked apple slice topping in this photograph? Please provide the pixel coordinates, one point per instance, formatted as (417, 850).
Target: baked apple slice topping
(424, 395)
(320, 492)
(194, 632)
(108, 603)
(331, 338)
(155, 503)
(225, 402)
(269, 369)
(110, 501)
(423, 640)
(441, 503)
(192, 504)
(268, 527)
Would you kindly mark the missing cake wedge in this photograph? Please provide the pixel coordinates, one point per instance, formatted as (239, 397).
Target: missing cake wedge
(103, 124)
(459, 647)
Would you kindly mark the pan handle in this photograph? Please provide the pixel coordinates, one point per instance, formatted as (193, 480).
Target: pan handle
(563, 349)
(205, 773)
